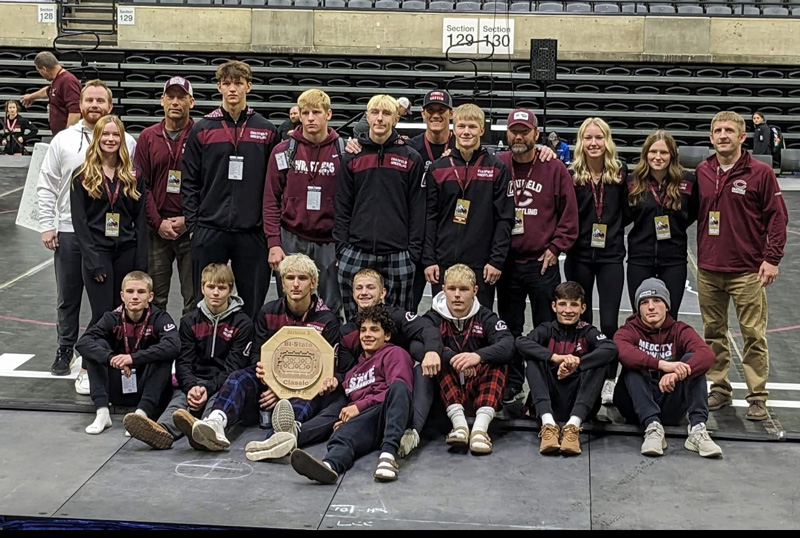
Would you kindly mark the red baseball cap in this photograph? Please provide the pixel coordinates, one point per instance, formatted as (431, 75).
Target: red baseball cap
(522, 116)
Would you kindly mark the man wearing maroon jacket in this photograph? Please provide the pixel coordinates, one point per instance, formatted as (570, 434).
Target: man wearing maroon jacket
(63, 93)
(545, 225)
(741, 232)
(159, 157)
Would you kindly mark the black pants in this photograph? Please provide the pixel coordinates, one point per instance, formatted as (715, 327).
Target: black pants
(521, 281)
(104, 296)
(610, 279)
(418, 287)
(638, 398)
(248, 254)
(69, 288)
(380, 426)
(425, 390)
(674, 277)
(319, 427)
(578, 394)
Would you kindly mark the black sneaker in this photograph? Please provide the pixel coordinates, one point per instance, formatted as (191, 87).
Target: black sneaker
(61, 366)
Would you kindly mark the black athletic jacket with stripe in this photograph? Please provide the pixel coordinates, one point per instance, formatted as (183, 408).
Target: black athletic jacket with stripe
(580, 339)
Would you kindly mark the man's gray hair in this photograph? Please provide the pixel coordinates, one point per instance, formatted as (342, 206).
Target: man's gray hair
(45, 60)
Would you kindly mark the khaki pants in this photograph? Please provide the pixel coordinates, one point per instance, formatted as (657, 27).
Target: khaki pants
(161, 255)
(714, 290)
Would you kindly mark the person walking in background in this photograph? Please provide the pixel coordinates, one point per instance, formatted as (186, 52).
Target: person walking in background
(63, 93)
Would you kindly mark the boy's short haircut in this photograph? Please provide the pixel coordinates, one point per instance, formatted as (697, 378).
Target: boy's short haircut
(97, 83)
(569, 290)
(729, 115)
(460, 274)
(379, 315)
(301, 263)
(233, 70)
(314, 98)
(370, 273)
(469, 112)
(217, 273)
(384, 102)
(138, 275)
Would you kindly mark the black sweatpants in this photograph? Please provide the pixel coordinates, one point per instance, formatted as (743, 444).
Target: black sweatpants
(319, 427)
(104, 296)
(418, 287)
(68, 264)
(425, 390)
(578, 394)
(380, 426)
(248, 254)
(638, 398)
(521, 281)
(610, 279)
(674, 277)
(153, 383)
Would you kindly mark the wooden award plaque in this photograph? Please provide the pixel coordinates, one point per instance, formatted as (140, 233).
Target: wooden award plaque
(296, 360)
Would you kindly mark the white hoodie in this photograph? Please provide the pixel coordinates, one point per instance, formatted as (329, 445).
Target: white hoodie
(66, 153)
(439, 304)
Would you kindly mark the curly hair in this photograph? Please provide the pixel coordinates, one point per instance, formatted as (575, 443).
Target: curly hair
(379, 315)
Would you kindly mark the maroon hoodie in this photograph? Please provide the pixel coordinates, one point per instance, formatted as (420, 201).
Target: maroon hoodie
(544, 193)
(286, 192)
(753, 216)
(366, 384)
(641, 347)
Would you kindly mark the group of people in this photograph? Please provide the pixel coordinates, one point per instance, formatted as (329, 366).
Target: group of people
(354, 231)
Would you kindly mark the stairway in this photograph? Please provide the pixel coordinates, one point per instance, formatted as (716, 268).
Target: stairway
(87, 23)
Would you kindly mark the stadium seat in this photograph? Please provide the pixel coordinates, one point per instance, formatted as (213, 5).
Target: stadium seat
(359, 4)
(718, 10)
(414, 5)
(606, 8)
(691, 9)
(440, 5)
(766, 159)
(578, 7)
(549, 7)
(387, 4)
(790, 160)
(468, 6)
(306, 3)
(518, 7)
(690, 156)
(335, 3)
(662, 8)
(495, 7)
(775, 11)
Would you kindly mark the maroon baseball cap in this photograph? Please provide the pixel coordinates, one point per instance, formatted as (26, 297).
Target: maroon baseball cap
(179, 81)
(522, 116)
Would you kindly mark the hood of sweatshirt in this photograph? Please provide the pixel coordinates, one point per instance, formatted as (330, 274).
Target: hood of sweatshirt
(235, 304)
(298, 135)
(439, 304)
(652, 334)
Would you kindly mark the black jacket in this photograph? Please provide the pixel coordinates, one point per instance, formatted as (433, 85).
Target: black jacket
(23, 128)
(484, 334)
(580, 339)
(762, 140)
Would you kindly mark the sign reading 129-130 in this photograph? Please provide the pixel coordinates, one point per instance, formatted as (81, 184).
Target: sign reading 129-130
(477, 36)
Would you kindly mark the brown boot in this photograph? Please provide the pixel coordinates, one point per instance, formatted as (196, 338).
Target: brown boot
(549, 436)
(148, 431)
(570, 440)
(757, 410)
(718, 400)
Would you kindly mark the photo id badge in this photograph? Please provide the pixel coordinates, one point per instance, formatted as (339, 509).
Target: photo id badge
(662, 227)
(281, 161)
(129, 383)
(462, 211)
(236, 168)
(519, 224)
(174, 182)
(313, 198)
(599, 235)
(713, 223)
(112, 224)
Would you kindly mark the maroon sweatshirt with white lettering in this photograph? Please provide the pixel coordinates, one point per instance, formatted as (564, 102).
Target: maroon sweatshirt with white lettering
(366, 384)
(752, 215)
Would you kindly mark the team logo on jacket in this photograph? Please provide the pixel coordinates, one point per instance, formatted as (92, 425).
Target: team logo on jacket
(227, 333)
(258, 135)
(739, 187)
(246, 352)
(487, 173)
(477, 330)
(500, 325)
(659, 351)
(167, 328)
(359, 381)
(321, 168)
(399, 162)
(525, 189)
(410, 316)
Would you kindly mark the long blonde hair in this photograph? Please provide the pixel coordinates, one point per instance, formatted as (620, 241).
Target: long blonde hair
(92, 168)
(642, 172)
(611, 166)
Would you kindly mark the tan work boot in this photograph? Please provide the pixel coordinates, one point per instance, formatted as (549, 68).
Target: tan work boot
(570, 440)
(549, 436)
(718, 400)
(757, 410)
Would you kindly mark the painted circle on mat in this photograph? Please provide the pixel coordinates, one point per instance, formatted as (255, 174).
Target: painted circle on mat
(213, 469)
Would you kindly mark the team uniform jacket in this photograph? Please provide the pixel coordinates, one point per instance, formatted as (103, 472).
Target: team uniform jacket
(213, 346)
(546, 197)
(644, 248)
(367, 383)
(580, 339)
(209, 198)
(753, 216)
(380, 207)
(486, 236)
(640, 347)
(286, 194)
(14, 129)
(436, 150)
(484, 334)
(106, 338)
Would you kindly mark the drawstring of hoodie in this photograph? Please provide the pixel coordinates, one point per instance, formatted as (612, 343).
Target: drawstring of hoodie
(215, 319)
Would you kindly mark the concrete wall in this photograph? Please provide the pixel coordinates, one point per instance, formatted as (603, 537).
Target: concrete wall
(606, 38)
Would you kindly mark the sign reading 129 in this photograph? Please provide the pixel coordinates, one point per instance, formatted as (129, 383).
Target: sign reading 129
(477, 36)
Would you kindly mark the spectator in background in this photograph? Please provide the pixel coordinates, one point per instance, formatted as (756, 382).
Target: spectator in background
(762, 137)
(560, 147)
(17, 131)
(289, 125)
(404, 110)
(63, 93)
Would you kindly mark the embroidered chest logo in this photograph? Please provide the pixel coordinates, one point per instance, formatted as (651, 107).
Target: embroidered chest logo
(321, 168)
(739, 187)
(227, 333)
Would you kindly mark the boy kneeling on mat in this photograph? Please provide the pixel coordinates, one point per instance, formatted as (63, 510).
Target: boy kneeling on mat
(378, 390)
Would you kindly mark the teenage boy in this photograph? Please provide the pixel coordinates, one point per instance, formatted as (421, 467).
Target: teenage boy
(244, 393)
(477, 349)
(215, 342)
(565, 369)
(663, 378)
(129, 353)
(378, 392)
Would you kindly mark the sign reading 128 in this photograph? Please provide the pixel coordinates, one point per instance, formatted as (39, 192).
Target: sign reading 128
(477, 36)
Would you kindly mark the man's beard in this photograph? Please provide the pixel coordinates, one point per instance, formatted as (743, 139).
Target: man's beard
(519, 149)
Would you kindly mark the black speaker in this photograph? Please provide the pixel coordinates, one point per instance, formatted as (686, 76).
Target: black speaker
(544, 57)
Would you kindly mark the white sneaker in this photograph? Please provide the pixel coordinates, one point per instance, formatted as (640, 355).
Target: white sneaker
(82, 383)
(277, 446)
(699, 441)
(283, 418)
(607, 394)
(408, 442)
(210, 433)
(654, 440)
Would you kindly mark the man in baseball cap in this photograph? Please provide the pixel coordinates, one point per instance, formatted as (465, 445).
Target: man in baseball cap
(440, 97)
(179, 82)
(521, 116)
(405, 106)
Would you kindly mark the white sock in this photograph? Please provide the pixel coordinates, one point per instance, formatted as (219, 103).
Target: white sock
(101, 422)
(328, 465)
(483, 416)
(220, 416)
(141, 412)
(385, 455)
(575, 421)
(698, 427)
(455, 413)
(547, 418)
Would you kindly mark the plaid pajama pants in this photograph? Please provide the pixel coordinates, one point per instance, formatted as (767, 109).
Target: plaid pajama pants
(238, 399)
(482, 390)
(397, 270)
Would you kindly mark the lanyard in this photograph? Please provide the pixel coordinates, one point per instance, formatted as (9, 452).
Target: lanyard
(722, 177)
(467, 180)
(598, 203)
(235, 139)
(514, 180)
(428, 148)
(465, 335)
(173, 158)
(312, 171)
(141, 333)
(656, 195)
(111, 199)
(11, 126)
(293, 322)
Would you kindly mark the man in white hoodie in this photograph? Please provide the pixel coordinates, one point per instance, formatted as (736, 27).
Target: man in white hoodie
(65, 154)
